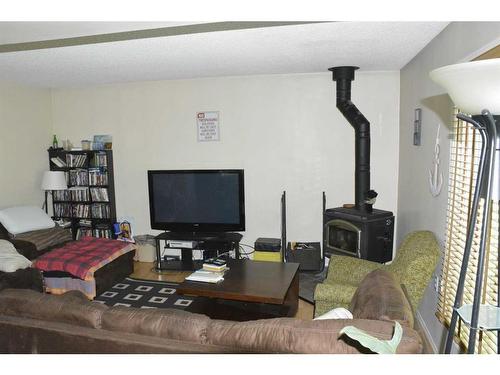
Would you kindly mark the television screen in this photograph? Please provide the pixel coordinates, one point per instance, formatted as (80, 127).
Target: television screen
(197, 200)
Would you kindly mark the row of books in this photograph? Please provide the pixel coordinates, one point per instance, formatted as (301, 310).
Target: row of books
(76, 160)
(81, 194)
(100, 160)
(100, 211)
(99, 233)
(82, 177)
(97, 210)
(78, 177)
(75, 194)
(99, 194)
(97, 176)
(71, 210)
(58, 161)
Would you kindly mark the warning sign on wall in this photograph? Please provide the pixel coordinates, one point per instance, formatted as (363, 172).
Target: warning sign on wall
(208, 126)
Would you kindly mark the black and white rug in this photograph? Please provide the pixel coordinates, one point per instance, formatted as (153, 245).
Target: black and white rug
(144, 294)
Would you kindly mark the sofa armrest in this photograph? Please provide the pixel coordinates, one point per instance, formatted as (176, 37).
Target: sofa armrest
(349, 270)
(330, 296)
(27, 278)
(338, 294)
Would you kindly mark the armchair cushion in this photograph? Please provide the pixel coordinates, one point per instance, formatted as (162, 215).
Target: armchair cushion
(349, 270)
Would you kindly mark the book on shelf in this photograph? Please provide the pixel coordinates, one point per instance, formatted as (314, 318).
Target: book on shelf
(97, 176)
(81, 210)
(79, 194)
(206, 277)
(78, 177)
(63, 210)
(100, 211)
(76, 160)
(58, 161)
(63, 223)
(83, 232)
(85, 223)
(99, 194)
(100, 160)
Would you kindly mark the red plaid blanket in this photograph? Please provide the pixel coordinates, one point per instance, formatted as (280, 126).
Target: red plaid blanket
(82, 258)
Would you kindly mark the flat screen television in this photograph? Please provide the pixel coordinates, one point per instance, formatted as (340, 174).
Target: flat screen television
(197, 200)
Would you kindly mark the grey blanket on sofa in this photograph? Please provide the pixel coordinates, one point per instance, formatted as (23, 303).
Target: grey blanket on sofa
(45, 238)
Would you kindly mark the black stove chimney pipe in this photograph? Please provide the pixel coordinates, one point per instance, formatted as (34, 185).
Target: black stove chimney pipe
(364, 197)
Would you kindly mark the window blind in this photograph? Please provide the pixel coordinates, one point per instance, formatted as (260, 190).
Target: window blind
(464, 162)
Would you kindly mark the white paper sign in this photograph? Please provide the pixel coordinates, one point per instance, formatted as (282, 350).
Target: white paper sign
(208, 126)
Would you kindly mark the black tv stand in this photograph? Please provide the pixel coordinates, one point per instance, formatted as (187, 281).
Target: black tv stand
(211, 243)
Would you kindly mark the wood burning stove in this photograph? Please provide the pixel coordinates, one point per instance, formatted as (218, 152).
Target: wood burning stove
(366, 236)
(358, 231)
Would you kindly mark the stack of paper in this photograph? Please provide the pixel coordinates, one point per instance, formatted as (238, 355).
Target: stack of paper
(214, 268)
(206, 276)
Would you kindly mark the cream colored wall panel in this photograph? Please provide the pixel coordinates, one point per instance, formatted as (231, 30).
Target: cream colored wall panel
(283, 130)
(25, 135)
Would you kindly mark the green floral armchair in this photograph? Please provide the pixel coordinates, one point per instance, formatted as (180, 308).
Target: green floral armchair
(413, 266)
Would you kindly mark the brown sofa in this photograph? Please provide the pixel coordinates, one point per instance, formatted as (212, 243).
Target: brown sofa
(32, 322)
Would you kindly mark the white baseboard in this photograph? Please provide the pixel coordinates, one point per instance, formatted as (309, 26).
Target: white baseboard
(425, 331)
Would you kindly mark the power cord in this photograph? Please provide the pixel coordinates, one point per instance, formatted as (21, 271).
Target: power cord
(244, 253)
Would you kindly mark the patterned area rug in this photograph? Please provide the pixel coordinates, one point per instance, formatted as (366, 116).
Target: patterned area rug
(144, 294)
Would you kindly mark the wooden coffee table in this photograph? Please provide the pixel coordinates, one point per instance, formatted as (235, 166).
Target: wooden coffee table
(250, 290)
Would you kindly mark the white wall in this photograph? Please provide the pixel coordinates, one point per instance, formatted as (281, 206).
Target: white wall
(25, 135)
(417, 209)
(283, 130)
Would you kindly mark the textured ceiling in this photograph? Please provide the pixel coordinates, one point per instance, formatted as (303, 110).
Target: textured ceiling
(275, 50)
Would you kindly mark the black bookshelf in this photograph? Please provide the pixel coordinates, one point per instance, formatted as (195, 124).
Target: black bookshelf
(89, 203)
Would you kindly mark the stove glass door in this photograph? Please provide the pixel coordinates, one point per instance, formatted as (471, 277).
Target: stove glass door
(344, 237)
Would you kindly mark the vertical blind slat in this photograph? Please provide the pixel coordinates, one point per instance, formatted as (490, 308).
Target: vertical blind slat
(464, 161)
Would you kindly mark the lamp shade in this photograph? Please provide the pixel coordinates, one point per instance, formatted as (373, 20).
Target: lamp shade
(473, 86)
(54, 180)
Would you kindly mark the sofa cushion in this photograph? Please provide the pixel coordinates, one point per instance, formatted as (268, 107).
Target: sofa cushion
(65, 309)
(166, 323)
(21, 219)
(380, 297)
(287, 335)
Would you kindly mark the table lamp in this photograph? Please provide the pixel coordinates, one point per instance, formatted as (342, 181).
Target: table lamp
(474, 87)
(53, 180)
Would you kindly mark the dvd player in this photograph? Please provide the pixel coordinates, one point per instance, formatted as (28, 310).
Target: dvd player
(182, 244)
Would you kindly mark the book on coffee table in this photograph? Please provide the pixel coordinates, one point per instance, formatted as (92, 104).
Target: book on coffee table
(214, 268)
(215, 265)
(206, 276)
